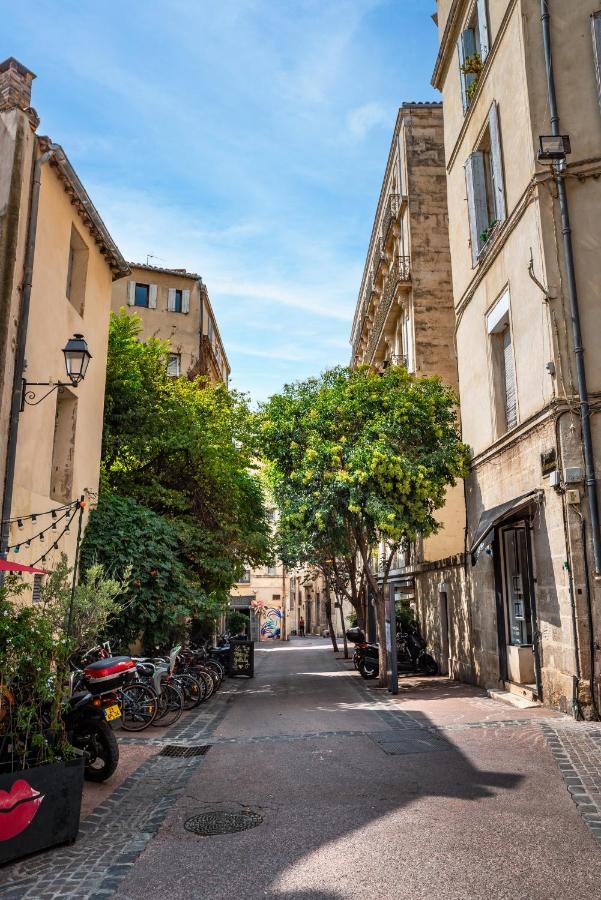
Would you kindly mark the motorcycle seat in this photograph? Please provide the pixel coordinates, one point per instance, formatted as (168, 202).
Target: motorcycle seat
(106, 663)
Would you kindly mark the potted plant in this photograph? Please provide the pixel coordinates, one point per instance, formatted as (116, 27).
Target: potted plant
(472, 65)
(41, 775)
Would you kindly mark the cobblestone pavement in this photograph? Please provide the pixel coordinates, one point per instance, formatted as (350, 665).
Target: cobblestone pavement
(435, 720)
(112, 836)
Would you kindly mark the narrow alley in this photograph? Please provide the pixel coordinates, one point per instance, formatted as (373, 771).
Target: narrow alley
(440, 790)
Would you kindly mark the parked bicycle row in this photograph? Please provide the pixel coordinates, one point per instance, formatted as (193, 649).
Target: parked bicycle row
(132, 693)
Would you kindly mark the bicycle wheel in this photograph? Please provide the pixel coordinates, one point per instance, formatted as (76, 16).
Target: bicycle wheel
(207, 679)
(171, 706)
(192, 688)
(139, 706)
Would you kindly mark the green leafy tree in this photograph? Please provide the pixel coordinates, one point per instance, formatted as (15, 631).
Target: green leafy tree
(182, 450)
(358, 457)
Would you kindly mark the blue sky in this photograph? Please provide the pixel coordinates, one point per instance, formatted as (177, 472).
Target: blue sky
(242, 139)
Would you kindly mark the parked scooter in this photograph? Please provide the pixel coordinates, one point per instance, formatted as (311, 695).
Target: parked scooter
(411, 653)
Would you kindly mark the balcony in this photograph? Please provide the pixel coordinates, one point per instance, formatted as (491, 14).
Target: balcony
(208, 364)
(400, 274)
(391, 214)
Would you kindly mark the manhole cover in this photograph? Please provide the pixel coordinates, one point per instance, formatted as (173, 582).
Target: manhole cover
(180, 750)
(220, 822)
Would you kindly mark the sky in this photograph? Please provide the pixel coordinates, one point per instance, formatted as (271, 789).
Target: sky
(244, 140)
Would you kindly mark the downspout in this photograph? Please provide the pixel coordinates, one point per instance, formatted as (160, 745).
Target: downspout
(17, 390)
(587, 442)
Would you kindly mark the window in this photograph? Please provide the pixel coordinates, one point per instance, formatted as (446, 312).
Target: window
(503, 367)
(210, 329)
(178, 300)
(472, 48)
(596, 26)
(142, 295)
(407, 342)
(517, 586)
(245, 577)
(77, 271)
(174, 365)
(272, 571)
(36, 596)
(485, 187)
(63, 448)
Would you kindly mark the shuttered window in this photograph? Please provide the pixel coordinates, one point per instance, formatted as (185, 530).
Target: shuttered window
(511, 409)
(596, 26)
(485, 186)
(174, 364)
(36, 596)
(472, 48)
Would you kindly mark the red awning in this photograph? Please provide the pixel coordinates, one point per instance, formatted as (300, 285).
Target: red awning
(6, 566)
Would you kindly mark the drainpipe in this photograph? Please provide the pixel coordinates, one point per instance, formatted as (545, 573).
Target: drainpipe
(202, 321)
(587, 442)
(15, 408)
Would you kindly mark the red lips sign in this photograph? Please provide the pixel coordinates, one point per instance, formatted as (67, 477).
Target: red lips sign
(18, 808)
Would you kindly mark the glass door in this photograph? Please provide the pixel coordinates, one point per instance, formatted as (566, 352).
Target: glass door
(518, 590)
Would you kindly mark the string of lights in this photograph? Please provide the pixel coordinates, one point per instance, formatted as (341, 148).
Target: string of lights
(41, 534)
(38, 515)
(54, 546)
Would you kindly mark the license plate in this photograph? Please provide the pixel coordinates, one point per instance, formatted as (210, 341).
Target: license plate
(111, 712)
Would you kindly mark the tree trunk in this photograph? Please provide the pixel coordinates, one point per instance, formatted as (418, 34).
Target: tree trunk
(380, 611)
(343, 630)
(330, 623)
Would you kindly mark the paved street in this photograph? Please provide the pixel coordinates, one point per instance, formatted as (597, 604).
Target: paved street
(440, 791)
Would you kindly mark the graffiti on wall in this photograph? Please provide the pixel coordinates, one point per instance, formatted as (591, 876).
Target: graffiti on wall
(271, 629)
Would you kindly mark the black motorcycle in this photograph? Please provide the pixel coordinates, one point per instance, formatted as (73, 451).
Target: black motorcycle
(89, 730)
(411, 653)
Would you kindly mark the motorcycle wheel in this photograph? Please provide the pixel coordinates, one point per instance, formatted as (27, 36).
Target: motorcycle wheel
(368, 669)
(101, 748)
(428, 664)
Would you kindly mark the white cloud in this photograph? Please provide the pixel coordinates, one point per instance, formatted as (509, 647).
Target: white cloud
(362, 119)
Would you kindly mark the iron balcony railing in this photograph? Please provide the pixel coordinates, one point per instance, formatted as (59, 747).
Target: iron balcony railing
(400, 273)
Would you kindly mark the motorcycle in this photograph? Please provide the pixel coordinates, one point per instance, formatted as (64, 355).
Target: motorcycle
(89, 723)
(411, 653)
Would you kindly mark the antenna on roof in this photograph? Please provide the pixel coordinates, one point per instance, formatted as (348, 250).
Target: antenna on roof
(150, 256)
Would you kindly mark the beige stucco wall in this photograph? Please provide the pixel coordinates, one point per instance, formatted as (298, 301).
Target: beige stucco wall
(506, 466)
(52, 321)
(182, 330)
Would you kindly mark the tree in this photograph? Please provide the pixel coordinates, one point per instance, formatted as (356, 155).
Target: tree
(182, 450)
(358, 457)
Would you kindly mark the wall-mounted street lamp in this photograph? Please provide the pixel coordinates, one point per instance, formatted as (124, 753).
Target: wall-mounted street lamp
(77, 359)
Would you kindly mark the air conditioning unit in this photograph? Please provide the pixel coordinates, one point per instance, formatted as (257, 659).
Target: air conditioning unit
(554, 479)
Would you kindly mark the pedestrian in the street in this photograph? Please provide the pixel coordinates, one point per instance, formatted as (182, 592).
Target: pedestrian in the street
(301, 626)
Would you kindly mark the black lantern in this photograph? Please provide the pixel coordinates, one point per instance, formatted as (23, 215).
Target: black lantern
(77, 358)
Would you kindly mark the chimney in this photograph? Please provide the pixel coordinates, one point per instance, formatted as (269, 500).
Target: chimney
(15, 85)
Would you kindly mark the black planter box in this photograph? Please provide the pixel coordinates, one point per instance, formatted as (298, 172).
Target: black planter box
(39, 808)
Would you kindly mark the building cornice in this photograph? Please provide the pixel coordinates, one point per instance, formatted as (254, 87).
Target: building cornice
(447, 41)
(163, 270)
(84, 206)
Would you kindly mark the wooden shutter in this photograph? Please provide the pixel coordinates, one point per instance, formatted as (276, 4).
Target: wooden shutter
(483, 29)
(511, 410)
(466, 46)
(131, 293)
(171, 300)
(475, 180)
(185, 301)
(596, 26)
(500, 210)
(153, 290)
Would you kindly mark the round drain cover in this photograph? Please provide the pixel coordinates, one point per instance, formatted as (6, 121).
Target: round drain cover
(220, 822)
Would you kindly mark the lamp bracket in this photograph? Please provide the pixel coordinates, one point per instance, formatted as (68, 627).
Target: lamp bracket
(29, 397)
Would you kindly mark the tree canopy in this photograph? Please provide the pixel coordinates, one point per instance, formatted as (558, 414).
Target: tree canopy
(358, 456)
(181, 503)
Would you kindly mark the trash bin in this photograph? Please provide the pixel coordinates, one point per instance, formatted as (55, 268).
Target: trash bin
(242, 658)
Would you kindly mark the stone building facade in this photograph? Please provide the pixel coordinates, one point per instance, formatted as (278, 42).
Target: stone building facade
(174, 305)
(533, 620)
(404, 316)
(57, 266)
